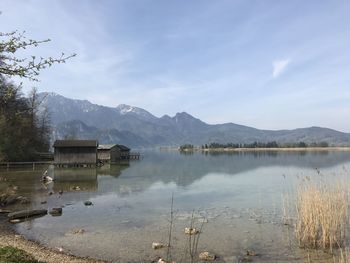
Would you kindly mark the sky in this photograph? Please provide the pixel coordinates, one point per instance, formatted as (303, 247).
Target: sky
(267, 64)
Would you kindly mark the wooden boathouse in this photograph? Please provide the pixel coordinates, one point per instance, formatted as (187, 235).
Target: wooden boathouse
(75, 153)
(112, 153)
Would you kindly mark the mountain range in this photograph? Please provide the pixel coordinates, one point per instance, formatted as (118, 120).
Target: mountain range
(138, 128)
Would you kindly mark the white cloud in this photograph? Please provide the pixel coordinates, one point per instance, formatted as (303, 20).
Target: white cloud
(279, 66)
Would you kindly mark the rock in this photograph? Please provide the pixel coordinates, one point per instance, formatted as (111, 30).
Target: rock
(87, 203)
(26, 213)
(56, 211)
(251, 253)
(160, 260)
(15, 221)
(9, 200)
(76, 188)
(43, 202)
(23, 200)
(15, 188)
(191, 231)
(79, 231)
(51, 193)
(60, 192)
(156, 245)
(206, 256)
(3, 211)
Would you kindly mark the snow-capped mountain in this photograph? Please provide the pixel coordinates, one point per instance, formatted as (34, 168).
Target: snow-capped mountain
(139, 128)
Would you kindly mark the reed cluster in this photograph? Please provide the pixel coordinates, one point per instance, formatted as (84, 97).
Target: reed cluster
(322, 214)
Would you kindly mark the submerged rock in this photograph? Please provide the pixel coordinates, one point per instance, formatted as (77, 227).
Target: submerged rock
(251, 253)
(79, 231)
(207, 256)
(156, 245)
(23, 200)
(56, 211)
(87, 203)
(15, 221)
(191, 231)
(10, 199)
(27, 214)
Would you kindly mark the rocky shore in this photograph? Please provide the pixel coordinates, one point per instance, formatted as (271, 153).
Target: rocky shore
(41, 253)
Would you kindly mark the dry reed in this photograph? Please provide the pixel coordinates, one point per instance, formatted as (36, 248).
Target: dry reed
(322, 214)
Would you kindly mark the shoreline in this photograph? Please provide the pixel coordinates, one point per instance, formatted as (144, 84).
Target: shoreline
(9, 237)
(282, 149)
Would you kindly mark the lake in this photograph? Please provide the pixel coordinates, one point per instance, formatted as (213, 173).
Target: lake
(235, 197)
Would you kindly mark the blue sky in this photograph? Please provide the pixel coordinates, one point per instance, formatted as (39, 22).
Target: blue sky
(266, 64)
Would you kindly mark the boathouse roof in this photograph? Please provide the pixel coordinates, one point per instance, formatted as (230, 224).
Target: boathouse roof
(75, 143)
(106, 146)
(123, 147)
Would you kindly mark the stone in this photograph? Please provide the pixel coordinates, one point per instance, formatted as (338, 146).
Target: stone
(15, 221)
(10, 199)
(156, 245)
(251, 253)
(79, 231)
(23, 200)
(87, 203)
(27, 214)
(207, 256)
(56, 211)
(191, 231)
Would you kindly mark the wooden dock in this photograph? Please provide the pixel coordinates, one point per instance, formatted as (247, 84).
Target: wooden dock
(14, 165)
(134, 156)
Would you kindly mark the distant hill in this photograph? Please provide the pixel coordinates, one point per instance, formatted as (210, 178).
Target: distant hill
(139, 128)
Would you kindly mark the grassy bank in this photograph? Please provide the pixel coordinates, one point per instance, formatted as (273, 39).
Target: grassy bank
(10, 254)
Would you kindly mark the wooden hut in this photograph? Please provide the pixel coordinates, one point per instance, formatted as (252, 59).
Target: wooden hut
(111, 153)
(75, 152)
(107, 153)
(123, 152)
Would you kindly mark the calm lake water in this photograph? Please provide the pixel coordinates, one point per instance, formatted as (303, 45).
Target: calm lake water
(237, 198)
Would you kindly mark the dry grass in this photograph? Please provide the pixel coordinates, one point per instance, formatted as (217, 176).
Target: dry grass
(322, 214)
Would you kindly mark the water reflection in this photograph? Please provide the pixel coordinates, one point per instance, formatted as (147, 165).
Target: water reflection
(239, 193)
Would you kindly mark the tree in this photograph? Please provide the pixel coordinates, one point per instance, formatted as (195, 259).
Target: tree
(29, 68)
(24, 129)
